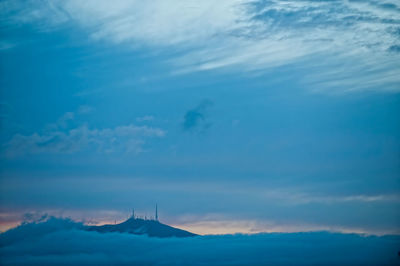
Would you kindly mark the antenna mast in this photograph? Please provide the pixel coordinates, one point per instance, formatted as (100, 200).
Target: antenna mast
(156, 213)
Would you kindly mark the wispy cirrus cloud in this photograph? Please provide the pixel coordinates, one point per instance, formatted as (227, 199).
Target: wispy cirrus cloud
(341, 46)
(160, 23)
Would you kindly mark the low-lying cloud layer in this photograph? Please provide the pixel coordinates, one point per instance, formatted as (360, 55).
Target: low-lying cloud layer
(63, 242)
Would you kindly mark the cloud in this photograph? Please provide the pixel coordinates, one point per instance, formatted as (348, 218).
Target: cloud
(4, 45)
(62, 121)
(57, 139)
(304, 198)
(272, 207)
(160, 23)
(217, 226)
(196, 118)
(341, 46)
(145, 118)
(129, 138)
(85, 109)
(62, 241)
(394, 48)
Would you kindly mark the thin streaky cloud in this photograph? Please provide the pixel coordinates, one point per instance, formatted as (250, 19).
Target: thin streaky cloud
(244, 36)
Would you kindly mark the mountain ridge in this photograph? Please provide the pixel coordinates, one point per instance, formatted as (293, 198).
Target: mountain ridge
(139, 226)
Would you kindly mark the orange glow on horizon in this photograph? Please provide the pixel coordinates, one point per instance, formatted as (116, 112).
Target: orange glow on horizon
(220, 227)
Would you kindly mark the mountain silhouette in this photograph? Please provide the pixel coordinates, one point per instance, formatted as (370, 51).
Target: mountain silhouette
(140, 226)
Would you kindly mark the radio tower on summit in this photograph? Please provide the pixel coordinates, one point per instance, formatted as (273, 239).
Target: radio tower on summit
(156, 213)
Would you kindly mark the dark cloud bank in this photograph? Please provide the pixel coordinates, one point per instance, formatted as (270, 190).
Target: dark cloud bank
(64, 242)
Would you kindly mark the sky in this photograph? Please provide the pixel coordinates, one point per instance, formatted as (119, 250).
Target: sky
(233, 116)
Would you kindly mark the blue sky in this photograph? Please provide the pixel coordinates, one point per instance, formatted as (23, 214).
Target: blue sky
(233, 116)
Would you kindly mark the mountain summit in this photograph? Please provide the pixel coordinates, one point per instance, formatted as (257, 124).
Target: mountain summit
(139, 226)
